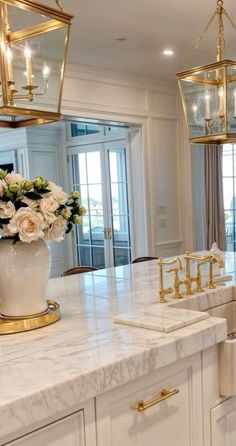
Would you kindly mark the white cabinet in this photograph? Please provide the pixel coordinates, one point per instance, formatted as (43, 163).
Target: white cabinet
(67, 432)
(76, 429)
(223, 423)
(176, 420)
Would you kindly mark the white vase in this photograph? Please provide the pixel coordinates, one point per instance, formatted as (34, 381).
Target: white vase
(24, 273)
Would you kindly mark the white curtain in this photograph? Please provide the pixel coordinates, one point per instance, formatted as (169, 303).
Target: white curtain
(214, 203)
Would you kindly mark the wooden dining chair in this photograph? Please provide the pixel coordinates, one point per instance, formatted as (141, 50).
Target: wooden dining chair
(143, 259)
(79, 270)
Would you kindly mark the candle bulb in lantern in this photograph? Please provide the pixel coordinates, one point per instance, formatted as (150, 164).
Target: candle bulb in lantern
(194, 108)
(28, 62)
(221, 101)
(9, 64)
(46, 72)
(207, 106)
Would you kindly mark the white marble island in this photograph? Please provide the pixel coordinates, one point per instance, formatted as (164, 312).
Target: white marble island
(52, 372)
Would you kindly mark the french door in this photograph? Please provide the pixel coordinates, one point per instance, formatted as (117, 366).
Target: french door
(99, 173)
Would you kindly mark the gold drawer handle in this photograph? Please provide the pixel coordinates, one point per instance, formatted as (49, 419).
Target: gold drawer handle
(164, 394)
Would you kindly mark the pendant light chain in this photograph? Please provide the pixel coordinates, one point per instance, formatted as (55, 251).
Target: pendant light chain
(220, 44)
(59, 4)
(229, 19)
(197, 43)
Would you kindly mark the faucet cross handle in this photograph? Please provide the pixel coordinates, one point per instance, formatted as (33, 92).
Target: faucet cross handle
(177, 282)
(163, 291)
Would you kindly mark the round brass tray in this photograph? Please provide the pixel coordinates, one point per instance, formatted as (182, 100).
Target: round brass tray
(16, 325)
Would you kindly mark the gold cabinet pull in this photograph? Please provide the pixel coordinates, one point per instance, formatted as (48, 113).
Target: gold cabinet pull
(164, 394)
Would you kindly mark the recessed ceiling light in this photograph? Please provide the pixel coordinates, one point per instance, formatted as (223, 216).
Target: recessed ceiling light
(168, 52)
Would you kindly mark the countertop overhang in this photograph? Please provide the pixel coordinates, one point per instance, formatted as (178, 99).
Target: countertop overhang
(47, 371)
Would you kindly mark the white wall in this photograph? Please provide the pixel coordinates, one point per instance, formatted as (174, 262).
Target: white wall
(155, 105)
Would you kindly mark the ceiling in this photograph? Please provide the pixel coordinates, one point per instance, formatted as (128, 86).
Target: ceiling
(149, 26)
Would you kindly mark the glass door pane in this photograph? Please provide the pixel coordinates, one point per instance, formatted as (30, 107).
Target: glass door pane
(119, 209)
(87, 179)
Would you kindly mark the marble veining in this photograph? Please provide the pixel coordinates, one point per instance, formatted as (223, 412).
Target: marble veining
(48, 371)
(157, 317)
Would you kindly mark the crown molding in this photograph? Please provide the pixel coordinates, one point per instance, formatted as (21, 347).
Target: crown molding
(118, 78)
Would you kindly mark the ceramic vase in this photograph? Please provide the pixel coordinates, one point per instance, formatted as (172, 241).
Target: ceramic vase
(24, 273)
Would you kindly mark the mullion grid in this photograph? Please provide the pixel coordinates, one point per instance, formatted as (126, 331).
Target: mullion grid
(233, 208)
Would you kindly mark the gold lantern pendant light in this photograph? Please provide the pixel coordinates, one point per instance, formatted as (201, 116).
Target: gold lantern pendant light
(34, 41)
(209, 92)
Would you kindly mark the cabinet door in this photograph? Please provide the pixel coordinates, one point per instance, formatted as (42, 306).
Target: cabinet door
(176, 420)
(67, 432)
(223, 423)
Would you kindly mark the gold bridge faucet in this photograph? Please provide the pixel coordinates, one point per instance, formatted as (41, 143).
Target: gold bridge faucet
(201, 259)
(163, 291)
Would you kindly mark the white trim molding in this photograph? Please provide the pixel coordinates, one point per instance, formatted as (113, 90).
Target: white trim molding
(169, 248)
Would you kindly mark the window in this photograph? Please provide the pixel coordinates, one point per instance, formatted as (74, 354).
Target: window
(229, 183)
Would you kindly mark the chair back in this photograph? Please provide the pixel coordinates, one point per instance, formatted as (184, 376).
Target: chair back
(79, 270)
(143, 259)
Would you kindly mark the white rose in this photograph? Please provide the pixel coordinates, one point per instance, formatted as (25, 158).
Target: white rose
(31, 203)
(48, 206)
(3, 185)
(13, 177)
(56, 230)
(28, 224)
(58, 193)
(7, 209)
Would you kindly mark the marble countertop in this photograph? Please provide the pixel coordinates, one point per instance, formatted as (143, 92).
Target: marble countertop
(49, 370)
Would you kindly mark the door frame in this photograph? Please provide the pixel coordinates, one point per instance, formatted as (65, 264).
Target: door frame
(138, 129)
(73, 150)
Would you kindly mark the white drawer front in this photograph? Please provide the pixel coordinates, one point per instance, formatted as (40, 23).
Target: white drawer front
(66, 432)
(176, 420)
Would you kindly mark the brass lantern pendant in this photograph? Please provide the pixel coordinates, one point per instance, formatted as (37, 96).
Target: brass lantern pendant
(209, 93)
(34, 41)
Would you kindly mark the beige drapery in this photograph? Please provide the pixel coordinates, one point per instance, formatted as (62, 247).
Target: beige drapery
(215, 222)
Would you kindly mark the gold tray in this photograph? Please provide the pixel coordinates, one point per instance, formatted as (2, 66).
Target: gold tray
(19, 324)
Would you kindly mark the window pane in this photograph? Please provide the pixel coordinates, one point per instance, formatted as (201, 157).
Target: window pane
(228, 192)
(121, 256)
(95, 199)
(227, 164)
(98, 259)
(84, 255)
(117, 166)
(82, 169)
(120, 231)
(84, 234)
(119, 198)
(94, 167)
(97, 230)
(84, 196)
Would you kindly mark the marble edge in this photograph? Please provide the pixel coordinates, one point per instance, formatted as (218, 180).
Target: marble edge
(18, 415)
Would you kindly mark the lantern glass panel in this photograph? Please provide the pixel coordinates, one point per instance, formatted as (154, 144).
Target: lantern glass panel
(20, 18)
(203, 95)
(231, 99)
(47, 56)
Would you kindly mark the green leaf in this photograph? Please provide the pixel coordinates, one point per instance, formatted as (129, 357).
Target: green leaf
(43, 191)
(33, 195)
(69, 227)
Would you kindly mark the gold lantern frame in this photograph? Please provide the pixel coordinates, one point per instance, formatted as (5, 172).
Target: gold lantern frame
(58, 19)
(222, 78)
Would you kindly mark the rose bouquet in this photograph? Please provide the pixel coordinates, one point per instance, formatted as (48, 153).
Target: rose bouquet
(37, 209)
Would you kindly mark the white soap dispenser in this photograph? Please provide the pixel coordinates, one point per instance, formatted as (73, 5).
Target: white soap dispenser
(215, 250)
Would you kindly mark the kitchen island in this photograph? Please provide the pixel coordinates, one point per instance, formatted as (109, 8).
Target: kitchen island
(86, 361)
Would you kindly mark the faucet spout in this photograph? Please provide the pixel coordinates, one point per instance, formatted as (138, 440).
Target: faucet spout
(218, 259)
